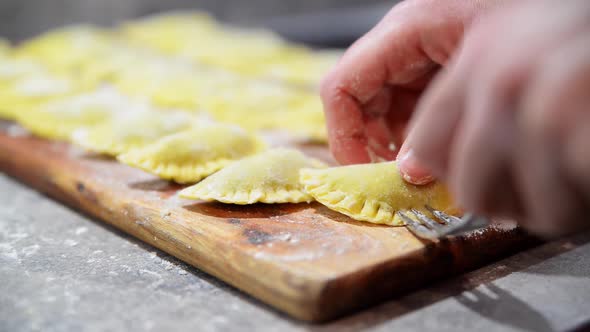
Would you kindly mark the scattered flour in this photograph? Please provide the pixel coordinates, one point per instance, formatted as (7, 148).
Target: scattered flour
(70, 243)
(30, 250)
(6, 250)
(81, 230)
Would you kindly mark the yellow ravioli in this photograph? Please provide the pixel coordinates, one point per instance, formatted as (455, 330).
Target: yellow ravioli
(169, 32)
(132, 130)
(166, 83)
(116, 58)
(238, 50)
(176, 82)
(373, 192)
(189, 156)
(67, 48)
(300, 114)
(304, 69)
(303, 126)
(12, 73)
(268, 177)
(306, 120)
(11, 69)
(58, 119)
(249, 102)
(29, 91)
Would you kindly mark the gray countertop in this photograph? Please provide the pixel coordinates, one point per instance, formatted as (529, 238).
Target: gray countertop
(62, 271)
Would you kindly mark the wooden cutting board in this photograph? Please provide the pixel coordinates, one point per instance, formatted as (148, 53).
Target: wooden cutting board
(303, 259)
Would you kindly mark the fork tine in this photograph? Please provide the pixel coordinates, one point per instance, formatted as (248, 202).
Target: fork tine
(430, 229)
(426, 221)
(455, 226)
(417, 228)
(447, 219)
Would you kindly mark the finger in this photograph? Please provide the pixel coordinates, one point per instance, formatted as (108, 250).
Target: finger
(479, 164)
(475, 151)
(403, 104)
(359, 78)
(379, 136)
(426, 148)
(551, 204)
(480, 154)
(560, 96)
(495, 70)
(387, 115)
(554, 120)
(346, 129)
(412, 170)
(390, 54)
(434, 126)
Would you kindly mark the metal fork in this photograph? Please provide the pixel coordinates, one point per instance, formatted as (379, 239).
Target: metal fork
(447, 225)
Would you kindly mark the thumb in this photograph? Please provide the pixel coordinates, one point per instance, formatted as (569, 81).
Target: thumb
(411, 169)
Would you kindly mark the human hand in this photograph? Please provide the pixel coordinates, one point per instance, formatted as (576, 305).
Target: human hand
(507, 124)
(372, 92)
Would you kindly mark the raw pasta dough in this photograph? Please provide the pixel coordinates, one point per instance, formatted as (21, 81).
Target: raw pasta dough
(373, 192)
(269, 177)
(58, 119)
(189, 156)
(25, 92)
(69, 48)
(132, 130)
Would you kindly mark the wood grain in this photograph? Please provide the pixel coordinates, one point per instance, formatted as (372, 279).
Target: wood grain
(302, 259)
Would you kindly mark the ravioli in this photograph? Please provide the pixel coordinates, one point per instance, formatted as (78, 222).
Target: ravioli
(168, 32)
(298, 113)
(190, 156)
(167, 84)
(268, 177)
(306, 120)
(238, 50)
(58, 119)
(260, 100)
(304, 69)
(373, 192)
(11, 69)
(132, 130)
(29, 91)
(67, 48)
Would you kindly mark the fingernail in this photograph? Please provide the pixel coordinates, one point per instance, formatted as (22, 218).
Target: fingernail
(411, 169)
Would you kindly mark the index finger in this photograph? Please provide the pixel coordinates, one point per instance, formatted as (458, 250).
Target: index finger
(388, 54)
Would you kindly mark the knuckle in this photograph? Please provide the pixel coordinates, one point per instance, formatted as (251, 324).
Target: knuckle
(328, 85)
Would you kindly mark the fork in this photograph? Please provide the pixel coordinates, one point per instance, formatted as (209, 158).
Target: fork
(447, 225)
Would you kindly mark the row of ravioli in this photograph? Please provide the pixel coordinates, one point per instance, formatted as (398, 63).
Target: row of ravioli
(82, 59)
(197, 38)
(254, 53)
(226, 163)
(222, 162)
